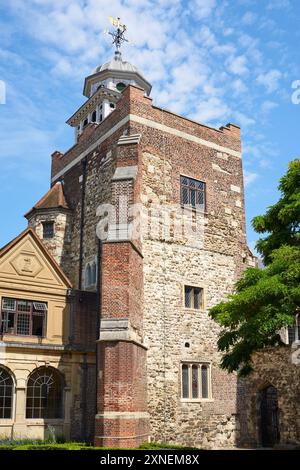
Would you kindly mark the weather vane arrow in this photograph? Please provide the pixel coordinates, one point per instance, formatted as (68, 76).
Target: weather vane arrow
(118, 35)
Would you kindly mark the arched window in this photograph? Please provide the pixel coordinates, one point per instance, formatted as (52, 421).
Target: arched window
(44, 394)
(6, 394)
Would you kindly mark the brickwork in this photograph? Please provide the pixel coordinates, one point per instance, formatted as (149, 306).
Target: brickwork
(144, 325)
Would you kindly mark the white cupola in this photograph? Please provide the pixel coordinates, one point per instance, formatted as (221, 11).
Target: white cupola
(103, 87)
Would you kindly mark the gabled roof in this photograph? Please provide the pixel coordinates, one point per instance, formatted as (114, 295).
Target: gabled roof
(36, 240)
(53, 199)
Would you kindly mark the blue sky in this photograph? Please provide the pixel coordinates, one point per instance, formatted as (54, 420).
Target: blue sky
(215, 61)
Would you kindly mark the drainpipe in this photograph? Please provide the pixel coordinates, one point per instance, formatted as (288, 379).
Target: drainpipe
(84, 174)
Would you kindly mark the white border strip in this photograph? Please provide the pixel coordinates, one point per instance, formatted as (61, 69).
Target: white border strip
(154, 125)
(91, 148)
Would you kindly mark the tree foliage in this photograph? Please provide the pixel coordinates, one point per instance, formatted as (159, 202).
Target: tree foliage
(265, 300)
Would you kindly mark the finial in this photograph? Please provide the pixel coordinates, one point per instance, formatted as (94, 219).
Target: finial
(118, 35)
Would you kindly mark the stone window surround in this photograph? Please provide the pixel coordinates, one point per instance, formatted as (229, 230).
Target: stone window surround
(44, 224)
(189, 206)
(199, 286)
(191, 363)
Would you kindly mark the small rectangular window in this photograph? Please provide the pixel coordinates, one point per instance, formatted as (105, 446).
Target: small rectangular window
(196, 381)
(193, 297)
(48, 230)
(193, 193)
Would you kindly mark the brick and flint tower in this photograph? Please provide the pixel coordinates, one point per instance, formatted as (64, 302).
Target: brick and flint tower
(153, 207)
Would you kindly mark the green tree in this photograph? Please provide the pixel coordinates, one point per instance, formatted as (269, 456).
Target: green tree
(265, 300)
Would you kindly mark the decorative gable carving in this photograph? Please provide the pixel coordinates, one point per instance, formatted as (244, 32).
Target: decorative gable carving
(26, 262)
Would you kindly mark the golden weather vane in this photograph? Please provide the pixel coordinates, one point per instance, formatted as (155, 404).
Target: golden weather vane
(119, 34)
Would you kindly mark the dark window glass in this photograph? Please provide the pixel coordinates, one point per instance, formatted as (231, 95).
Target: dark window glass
(188, 296)
(197, 298)
(193, 297)
(120, 86)
(185, 381)
(48, 230)
(94, 116)
(192, 192)
(292, 334)
(27, 319)
(195, 382)
(38, 323)
(204, 381)
(23, 324)
(44, 394)
(6, 394)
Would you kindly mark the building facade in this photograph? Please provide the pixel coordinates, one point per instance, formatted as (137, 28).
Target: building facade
(144, 229)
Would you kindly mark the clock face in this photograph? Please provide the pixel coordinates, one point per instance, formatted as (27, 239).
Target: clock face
(120, 86)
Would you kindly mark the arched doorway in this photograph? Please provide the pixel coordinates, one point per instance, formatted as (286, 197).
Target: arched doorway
(269, 419)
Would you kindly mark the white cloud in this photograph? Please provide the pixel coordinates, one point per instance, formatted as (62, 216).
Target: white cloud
(203, 8)
(239, 87)
(249, 177)
(249, 18)
(270, 80)
(243, 120)
(267, 106)
(211, 110)
(237, 65)
(278, 4)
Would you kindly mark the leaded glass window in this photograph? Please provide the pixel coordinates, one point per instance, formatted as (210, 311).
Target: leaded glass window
(6, 394)
(193, 297)
(196, 381)
(23, 317)
(185, 381)
(193, 193)
(48, 230)
(44, 394)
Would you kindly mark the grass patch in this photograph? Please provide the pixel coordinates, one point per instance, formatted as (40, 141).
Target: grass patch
(30, 444)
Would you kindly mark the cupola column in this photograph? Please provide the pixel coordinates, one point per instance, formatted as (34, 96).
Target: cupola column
(106, 109)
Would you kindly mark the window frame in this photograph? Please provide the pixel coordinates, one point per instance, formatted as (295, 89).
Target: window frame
(44, 224)
(41, 373)
(202, 290)
(12, 397)
(204, 192)
(90, 275)
(13, 331)
(199, 365)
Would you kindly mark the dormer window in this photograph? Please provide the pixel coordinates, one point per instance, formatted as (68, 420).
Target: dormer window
(48, 230)
(120, 86)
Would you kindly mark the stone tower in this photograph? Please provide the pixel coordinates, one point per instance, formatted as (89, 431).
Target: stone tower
(158, 232)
